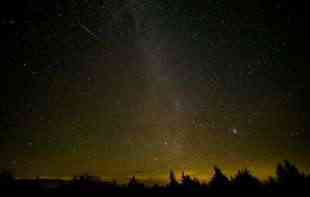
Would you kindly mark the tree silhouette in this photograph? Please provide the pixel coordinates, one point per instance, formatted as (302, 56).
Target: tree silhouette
(244, 181)
(135, 185)
(218, 180)
(173, 183)
(244, 177)
(288, 173)
(188, 183)
(289, 177)
(132, 181)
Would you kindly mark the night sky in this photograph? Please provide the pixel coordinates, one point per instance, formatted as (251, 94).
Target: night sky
(117, 88)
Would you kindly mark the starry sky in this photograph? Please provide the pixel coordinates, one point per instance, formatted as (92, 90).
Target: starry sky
(117, 88)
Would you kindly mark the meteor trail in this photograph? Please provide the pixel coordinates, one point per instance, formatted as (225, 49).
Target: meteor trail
(91, 33)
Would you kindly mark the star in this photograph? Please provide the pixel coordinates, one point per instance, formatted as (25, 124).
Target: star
(235, 131)
(179, 106)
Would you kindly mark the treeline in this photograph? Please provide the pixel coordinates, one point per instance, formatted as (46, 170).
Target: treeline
(288, 179)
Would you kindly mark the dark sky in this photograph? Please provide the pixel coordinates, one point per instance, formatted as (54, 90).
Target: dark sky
(138, 87)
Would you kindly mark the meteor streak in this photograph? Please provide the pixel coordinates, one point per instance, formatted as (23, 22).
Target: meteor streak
(91, 33)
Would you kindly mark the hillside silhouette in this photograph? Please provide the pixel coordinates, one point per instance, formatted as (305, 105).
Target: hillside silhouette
(288, 179)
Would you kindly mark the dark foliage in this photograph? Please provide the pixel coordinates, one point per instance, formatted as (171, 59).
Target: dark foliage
(288, 179)
(245, 182)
